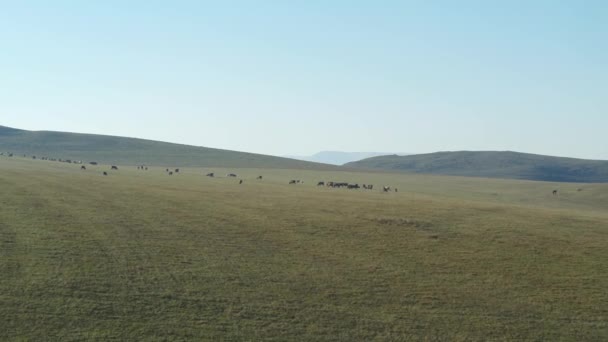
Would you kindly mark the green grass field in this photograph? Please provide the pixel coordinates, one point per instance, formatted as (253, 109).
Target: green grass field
(146, 256)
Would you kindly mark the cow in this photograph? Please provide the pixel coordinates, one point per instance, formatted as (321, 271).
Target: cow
(259, 177)
(231, 175)
(176, 170)
(83, 167)
(114, 167)
(293, 181)
(167, 170)
(146, 168)
(386, 188)
(321, 183)
(396, 190)
(170, 173)
(210, 174)
(92, 163)
(241, 181)
(554, 192)
(352, 186)
(105, 173)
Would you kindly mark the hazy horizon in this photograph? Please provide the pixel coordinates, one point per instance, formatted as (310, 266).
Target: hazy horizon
(299, 78)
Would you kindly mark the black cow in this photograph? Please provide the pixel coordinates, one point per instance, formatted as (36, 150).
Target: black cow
(231, 175)
(259, 177)
(176, 170)
(386, 188)
(83, 167)
(396, 190)
(293, 181)
(554, 192)
(92, 163)
(241, 181)
(321, 183)
(114, 167)
(210, 174)
(170, 173)
(105, 173)
(352, 186)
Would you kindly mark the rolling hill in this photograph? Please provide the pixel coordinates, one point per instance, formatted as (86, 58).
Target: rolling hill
(493, 164)
(338, 157)
(131, 151)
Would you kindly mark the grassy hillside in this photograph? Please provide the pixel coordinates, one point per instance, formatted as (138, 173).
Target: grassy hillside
(129, 151)
(146, 256)
(510, 165)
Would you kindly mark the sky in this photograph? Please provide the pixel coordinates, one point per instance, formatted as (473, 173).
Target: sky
(297, 77)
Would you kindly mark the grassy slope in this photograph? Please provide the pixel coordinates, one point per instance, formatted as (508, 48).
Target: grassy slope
(139, 255)
(130, 151)
(510, 165)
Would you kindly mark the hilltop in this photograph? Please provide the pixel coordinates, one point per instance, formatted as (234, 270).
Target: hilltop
(133, 151)
(493, 164)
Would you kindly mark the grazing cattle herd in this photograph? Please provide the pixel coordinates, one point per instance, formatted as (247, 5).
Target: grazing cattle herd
(171, 172)
(329, 184)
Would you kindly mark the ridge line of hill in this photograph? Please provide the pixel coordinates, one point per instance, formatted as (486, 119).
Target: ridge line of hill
(492, 164)
(136, 151)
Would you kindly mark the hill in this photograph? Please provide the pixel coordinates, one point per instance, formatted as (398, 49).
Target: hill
(493, 164)
(338, 157)
(132, 151)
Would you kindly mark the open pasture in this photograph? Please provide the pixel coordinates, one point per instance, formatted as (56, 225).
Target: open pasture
(144, 255)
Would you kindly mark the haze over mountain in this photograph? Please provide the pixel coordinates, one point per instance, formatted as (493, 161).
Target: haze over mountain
(493, 164)
(340, 157)
(131, 151)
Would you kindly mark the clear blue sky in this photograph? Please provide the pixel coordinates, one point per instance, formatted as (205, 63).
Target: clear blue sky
(296, 77)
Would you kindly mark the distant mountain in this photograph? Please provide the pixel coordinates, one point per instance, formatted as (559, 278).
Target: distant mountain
(493, 164)
(338, 157)
(131, 151)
